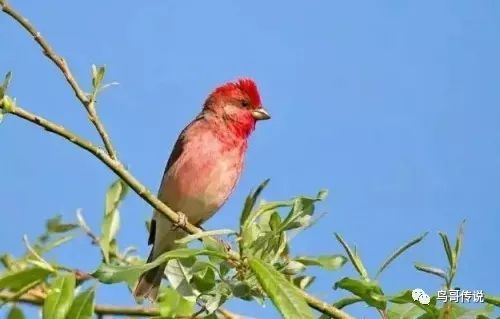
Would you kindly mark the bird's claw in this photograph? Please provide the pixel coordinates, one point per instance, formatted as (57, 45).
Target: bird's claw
(181, 221)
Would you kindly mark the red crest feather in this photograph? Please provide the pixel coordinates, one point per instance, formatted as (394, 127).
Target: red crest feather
(246, 85)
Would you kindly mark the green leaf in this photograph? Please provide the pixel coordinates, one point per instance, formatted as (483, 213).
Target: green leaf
(7, 104)
(5, 84)
(431, 270)
(213, 302)
(203, 234)
(54, 244)
(54, 225)
(344, 302)
(250, 202)
(369, 291)
(224, 268)
(172, 304)
(179, 273)
(216, 298)
(303, 281)
(284, 295)
(105, 86)
(300, 215)
(16, 281)
(322, 194)
(242, 290)
(218, 246)
(399, 251)
(115, 194)
(83, 305)
(293, 268)
(353, 257)
(15, 313)
(449, 252)
(330, 262)
(9, 262)
(459, 240)
(256, 236)
(7, 79)
(204, 281)
(97, 76)
(110, 274)
(34, 258)
(274, 221)
(41, 264)
(492, 300)
(404, 311)
(406, 297)
(200, 266)
(59, 297)
(456, 311)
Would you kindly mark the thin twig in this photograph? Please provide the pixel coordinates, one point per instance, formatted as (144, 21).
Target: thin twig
(99, 309)
(110, 310)
(383, 313)
(141, 190)
(35, 254)
(61, 63)
(324, 307)
(86, 229)
(110, 158)
(95, 240)
(116, 166)
(198, 313)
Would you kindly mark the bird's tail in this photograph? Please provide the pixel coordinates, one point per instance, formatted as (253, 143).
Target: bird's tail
(149, 282)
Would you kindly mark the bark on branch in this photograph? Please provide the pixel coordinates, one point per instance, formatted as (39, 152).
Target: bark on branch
(61, 63)
(111, 310)
(108, 157)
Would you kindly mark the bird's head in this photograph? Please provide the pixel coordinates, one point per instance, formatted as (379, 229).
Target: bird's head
(238, 104)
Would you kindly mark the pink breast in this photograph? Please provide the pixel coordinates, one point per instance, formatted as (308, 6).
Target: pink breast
(202, 178)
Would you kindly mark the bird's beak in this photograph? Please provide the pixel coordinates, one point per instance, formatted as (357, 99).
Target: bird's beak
(260, 114)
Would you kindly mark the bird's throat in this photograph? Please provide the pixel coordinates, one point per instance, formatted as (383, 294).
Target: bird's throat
(239, 127)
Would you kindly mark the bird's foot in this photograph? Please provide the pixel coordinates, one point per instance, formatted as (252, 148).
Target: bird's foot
(181, 222)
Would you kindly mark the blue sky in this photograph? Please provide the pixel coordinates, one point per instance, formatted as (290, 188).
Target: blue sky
(392, 106)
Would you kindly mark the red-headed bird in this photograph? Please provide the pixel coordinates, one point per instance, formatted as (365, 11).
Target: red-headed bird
(203, 168)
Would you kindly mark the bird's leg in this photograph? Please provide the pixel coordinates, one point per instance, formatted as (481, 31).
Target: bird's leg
(181, 221)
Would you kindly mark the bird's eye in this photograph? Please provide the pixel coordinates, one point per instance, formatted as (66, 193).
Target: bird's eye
(245, 103)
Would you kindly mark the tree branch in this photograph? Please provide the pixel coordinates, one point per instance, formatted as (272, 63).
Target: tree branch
(118, 168)
(99, 309)
(109, 157)
(115, 165)
(324, 307)
(111, 310)
(59, 61)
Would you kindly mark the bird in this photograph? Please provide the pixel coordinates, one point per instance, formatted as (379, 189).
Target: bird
(203, 169)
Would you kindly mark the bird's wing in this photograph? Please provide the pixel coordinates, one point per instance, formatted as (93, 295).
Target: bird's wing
(174, 156)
